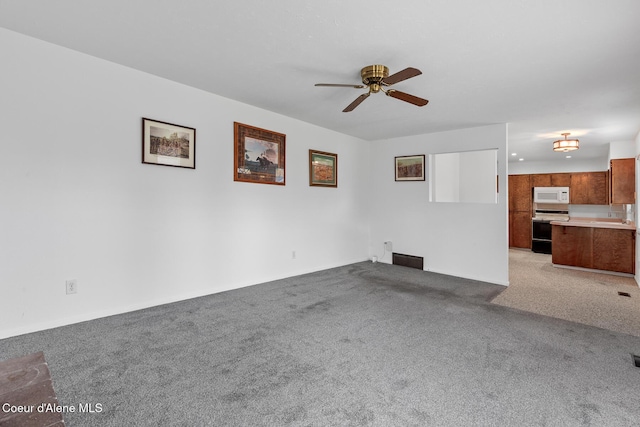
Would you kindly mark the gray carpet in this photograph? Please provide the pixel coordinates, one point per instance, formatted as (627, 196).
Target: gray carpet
(364, 344)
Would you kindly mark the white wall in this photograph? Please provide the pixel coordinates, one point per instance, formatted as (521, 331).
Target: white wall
(617, 150)
(565, 165)
(76, 202)
(461, 239)
(621, 150)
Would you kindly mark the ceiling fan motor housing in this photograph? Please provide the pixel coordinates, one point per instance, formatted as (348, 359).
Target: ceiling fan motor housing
(373, 75)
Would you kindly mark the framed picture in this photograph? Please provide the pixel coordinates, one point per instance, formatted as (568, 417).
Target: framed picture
(168, 144)
(259, 155)
(323, 169)
(410, 168)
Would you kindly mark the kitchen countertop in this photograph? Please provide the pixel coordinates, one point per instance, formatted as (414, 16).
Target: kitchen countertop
(596, 223)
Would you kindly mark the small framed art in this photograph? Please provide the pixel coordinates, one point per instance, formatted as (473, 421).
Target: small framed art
(323, 169)
(410, 168)
(168, 144)
(259, 155)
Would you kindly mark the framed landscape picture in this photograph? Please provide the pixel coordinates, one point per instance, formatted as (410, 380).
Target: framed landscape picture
(259, 155)
(323, 169)
(168, 144)
(410, 168)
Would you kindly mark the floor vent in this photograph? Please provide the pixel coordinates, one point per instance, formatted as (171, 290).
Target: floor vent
(624, 294)
(636, 360)
(408, 261)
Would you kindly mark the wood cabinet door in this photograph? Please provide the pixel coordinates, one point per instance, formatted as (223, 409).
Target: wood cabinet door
(551, 180)
(623, 181)
(589, 188)
(541, 180)
(579, 188)
(560, 179)
(519, 193)
(572, 246)
(614, 250)
(599, 188)
(520, 229)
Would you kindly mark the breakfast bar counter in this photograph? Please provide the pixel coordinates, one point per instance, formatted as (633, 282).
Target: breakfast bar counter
(600, 244)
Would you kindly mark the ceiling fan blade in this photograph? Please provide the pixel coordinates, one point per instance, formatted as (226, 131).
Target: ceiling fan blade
(355, 103)
(405, 74)
(411, 99)
(339, 85)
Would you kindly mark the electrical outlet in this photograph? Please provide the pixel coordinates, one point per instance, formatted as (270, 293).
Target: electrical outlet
(388, 246)
(72, 286)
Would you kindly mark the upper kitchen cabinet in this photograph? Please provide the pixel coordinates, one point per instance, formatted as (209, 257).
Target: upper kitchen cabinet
(551, 180)
(561, 180)
(541, 180)
(623, 181)
(589, 188)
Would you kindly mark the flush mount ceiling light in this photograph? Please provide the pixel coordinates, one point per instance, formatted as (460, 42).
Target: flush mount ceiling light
(565, 144)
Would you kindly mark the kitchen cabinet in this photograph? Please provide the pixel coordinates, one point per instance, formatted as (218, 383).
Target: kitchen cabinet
(551, 180)
(520, 229)
(520, 211)
(609, 249)
(623, 181)
(589, 188)
(614, 250)
(541, 180)
(571, 246)
(560, 179)
(519, 193)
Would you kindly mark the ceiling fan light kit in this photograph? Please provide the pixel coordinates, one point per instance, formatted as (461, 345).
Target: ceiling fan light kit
(565, 145)
(376, 78)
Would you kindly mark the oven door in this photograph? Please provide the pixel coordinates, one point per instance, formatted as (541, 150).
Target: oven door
(541, 229)
(541, 236)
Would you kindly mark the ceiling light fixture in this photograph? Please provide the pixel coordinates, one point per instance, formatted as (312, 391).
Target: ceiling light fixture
(565, 144)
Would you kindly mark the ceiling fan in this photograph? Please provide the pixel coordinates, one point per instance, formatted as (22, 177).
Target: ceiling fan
(376, 78)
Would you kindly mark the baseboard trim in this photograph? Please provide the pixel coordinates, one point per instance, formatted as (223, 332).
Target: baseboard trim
(85, 317)
(593, 270)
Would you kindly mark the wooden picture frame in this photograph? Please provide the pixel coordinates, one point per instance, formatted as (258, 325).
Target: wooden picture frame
(168, 144)
(259, 155)
(410, 168)
(323, 169)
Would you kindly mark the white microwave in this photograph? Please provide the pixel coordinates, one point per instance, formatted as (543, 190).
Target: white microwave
(551, 195)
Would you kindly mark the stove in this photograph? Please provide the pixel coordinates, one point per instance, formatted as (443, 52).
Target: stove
(550, 216)
(541, 225)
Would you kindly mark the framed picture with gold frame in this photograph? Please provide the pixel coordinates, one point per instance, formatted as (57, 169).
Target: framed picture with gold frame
(259, 155)
(323, 169)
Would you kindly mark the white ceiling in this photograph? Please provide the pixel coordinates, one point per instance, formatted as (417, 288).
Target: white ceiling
(543, 66)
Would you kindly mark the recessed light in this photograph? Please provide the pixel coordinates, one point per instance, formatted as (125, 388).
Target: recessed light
(514, 154)
(521, 160)
(568, 157)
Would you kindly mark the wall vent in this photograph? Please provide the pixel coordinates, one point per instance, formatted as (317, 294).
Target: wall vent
(408, 261)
